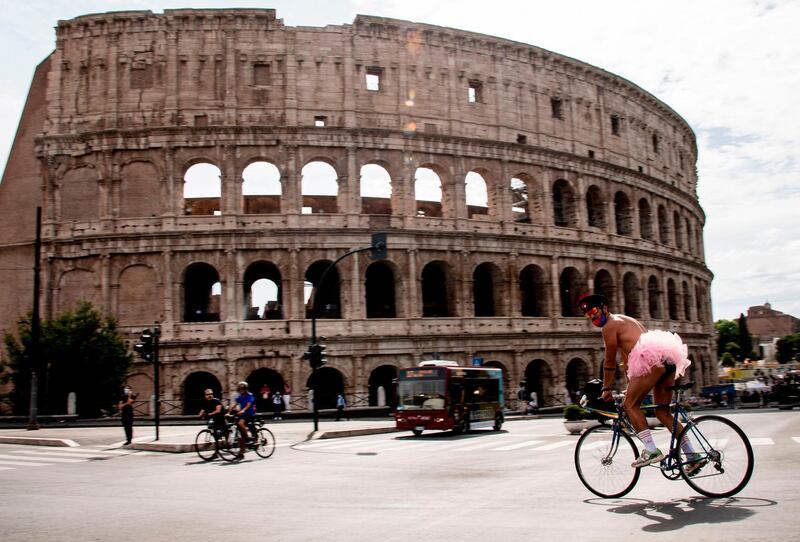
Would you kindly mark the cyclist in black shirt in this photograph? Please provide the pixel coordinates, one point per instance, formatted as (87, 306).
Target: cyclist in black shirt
(212, 408)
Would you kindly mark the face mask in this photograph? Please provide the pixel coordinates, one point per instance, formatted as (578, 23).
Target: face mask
(597, 316)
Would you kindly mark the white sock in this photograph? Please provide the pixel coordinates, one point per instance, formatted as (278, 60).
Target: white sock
(687, 447)
(647, 440)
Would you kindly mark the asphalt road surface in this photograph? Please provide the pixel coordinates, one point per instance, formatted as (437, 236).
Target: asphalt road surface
(515, 484)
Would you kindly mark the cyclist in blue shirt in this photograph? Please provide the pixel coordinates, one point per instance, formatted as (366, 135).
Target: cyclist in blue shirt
(245, 411)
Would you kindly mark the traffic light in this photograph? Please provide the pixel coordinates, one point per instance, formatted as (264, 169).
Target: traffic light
(316, 355)
(378, 247)
(146, 346)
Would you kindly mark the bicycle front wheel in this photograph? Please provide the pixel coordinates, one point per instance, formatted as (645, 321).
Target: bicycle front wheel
(204, 445)
(228, 446)
(722, 459)
(265, 446)
(604, 462)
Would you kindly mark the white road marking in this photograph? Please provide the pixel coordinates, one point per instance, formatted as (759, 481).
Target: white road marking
(553, 445)
(761, 441)
(516, 446)
(48, 459)
(24, 463)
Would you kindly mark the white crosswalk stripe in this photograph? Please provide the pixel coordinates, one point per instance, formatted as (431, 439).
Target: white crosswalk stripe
(761, 441)
(796, 439)
(36, 456)
(553, 445)
(516, 446)
(39, 457)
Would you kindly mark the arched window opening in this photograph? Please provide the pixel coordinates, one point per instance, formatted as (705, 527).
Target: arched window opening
(663, 225)
(376, 190)
(263, 292)
(138, 299)
(595, 208)
(427, 192)
(202, 293)
(672, 299)
(563, 204)
(519, 201)
(676, 218)
(435, 294)
(261, 189)
(263, 383)
(623, 214)
(320, 188)
(380, 291)
(604, 285)
(699, 295)
(645, 220)
(577, 376)
(572, 286)
(539, 380)
(484, 283)
(477, 194)
(690, 237)
(633, 298)
(653, 297)
(202, 190)
(381, 386)
(194, 386)
(533, 289)
(328, 304)
(327, 383)
(687, 301)
(139, 189)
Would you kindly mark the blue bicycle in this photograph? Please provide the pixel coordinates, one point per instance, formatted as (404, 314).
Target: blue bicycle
(719, 465)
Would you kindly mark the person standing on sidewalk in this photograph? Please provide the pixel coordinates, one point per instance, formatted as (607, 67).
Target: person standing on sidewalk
(341, 404)
(126, 411)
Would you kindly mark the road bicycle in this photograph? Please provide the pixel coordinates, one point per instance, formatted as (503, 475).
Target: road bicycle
(205, 443)
(261, 441)
(720, 466)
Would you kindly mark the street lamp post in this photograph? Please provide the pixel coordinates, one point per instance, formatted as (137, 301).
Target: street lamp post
(33, 421)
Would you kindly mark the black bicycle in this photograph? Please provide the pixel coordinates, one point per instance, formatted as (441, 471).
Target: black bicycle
(261, 441)
(205, 443)
(720, 464)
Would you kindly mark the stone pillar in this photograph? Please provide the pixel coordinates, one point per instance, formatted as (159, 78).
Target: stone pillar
(168, 289)
(512, 301)
(555, 289)
(414, 305)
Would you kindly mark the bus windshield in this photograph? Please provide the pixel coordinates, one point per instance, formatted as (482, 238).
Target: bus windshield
(421, 394)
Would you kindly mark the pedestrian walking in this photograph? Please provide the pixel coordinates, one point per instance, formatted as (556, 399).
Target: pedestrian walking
(341, 404)
(287, 397)
(277, 405)
(126, 413)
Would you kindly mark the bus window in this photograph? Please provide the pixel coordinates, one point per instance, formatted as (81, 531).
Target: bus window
(481, 390)
(414, 394)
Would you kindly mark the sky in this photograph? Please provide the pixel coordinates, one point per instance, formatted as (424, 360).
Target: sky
(730, 68)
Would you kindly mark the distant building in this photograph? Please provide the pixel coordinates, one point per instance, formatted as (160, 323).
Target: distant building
(768, 325)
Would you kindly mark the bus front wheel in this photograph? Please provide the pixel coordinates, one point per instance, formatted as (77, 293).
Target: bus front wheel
(417, 432)
(463, 426)
(498, 421)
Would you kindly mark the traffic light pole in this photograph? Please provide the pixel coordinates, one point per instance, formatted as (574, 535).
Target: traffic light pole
(156, 372)
(378, 249)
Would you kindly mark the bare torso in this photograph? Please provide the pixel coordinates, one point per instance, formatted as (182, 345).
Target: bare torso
(621, 333)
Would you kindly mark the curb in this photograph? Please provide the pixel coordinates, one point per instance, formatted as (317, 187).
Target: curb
(175, 448)
(355, 432)
(34, 441)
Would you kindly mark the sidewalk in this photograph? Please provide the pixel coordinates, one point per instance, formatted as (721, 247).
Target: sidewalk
(180, 438)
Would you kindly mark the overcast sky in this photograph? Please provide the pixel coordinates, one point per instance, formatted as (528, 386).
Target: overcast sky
(731, 68)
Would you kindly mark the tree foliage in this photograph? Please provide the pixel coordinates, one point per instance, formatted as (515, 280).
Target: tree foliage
(745, 340)
(727, 332)
(81, 352)
(789, 348)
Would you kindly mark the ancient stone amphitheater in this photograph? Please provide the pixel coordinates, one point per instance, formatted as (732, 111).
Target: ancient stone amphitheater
(201, 168)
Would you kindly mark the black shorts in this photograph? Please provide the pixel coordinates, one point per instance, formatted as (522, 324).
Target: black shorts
(670, 368)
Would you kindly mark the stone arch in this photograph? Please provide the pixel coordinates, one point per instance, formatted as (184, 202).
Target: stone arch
(78, 285)
(379, 289)
(328, 383)
(80, 193)
(139, 190)
(375, 190)
(678, 225)
(699, 295)
(539, 379)
(487, 285)
(672, 299)
(623, 214)
(383, 376)
(319, 186)
(663, 225)
(687, 301)
(533, 288)
(633, 298)
(436, 290)
(193, 387)
(261, 188)
(577, 374)
(329, 304)
(564, 212)
(428, 192)
(528, 192)
(654, 297)
(645, 219)
(202, 292)
(139, 296)
(263, 292)
(520, 199)
(476, 193)
(202, 190)
(572, 285)
(263, 383)
(604, 285)
(595, 208)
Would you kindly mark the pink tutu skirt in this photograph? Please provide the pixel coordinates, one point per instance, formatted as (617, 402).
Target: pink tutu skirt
(655, 348)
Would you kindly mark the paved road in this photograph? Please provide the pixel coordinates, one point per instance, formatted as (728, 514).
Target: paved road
(516, 484)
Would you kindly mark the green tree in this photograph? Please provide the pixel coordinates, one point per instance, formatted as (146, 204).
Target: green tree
(727, 332)
(727, 360)
(745, 340)
(81, 352)
(734, 350)
(788, 348)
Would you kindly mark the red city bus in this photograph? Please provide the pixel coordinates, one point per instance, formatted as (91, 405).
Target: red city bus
(443, 395)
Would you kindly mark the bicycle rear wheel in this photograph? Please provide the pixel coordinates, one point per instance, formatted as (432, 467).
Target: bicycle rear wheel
(265, 446)
(204, 445)
(228, 446)
(604, 466)
(725, 453)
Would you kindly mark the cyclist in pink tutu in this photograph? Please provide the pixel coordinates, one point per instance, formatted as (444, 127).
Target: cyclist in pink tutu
(650, 359)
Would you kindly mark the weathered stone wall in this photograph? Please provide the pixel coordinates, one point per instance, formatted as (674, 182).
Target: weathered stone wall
(134, 99)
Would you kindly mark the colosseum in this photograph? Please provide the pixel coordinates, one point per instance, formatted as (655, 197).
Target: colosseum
(201, 168)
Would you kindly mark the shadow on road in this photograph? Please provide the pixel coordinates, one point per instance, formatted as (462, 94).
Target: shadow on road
(671, 515)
